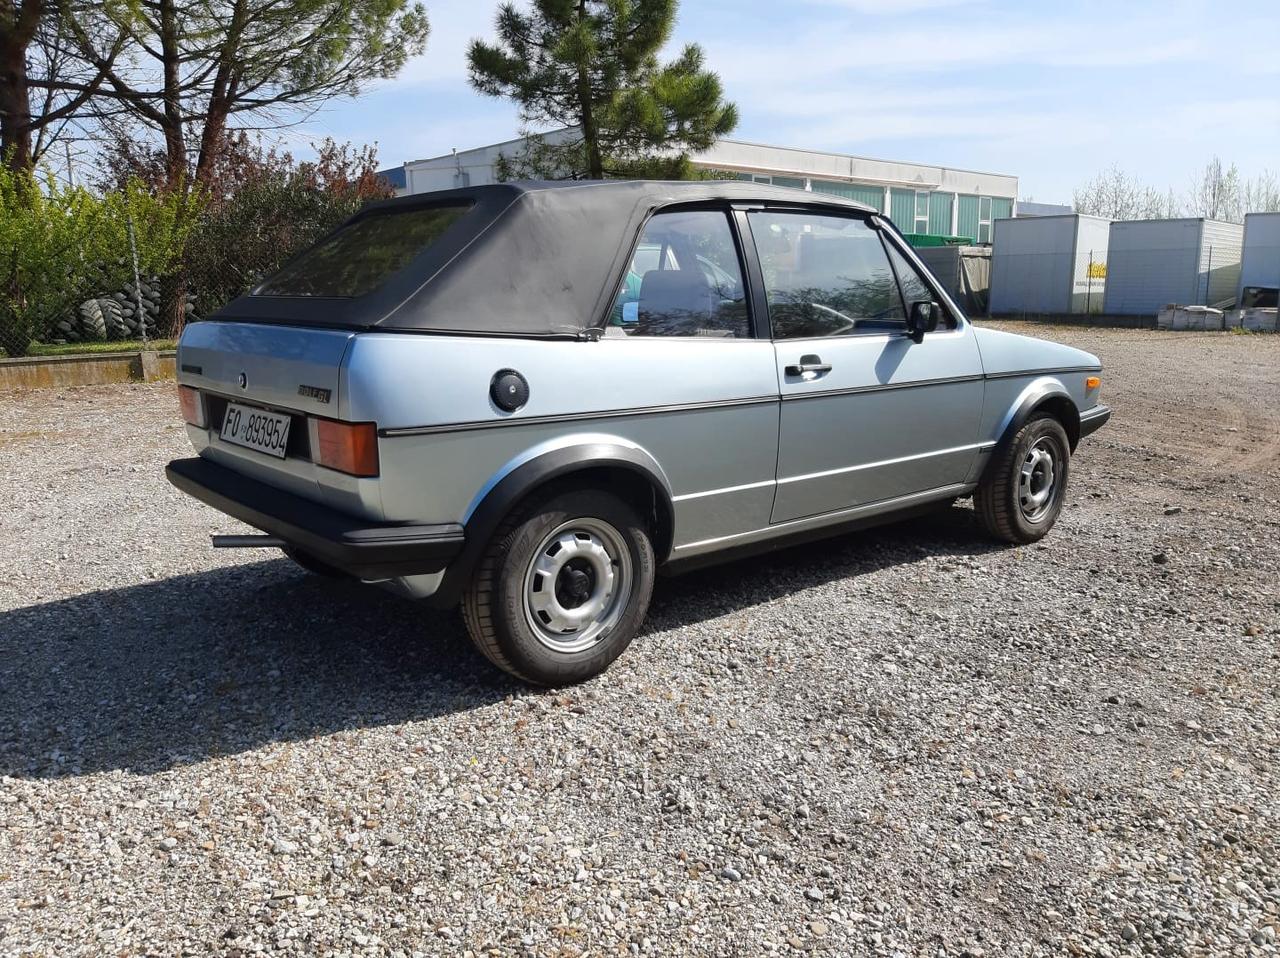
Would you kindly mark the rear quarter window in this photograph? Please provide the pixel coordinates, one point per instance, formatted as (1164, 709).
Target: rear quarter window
(360, 256)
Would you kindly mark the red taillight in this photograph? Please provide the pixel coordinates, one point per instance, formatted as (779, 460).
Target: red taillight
(192, 406)
(350, 447)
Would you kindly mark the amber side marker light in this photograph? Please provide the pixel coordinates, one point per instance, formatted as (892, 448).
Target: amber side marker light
(350, 447)
(192, 407)
(1093, 382)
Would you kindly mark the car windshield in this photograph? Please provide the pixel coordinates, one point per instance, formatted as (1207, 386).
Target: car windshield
(361, 255)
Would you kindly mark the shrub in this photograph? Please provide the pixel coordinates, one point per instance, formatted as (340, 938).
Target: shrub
(264, 209)
(61, 245)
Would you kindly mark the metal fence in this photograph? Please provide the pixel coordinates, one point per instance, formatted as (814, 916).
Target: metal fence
(106, 303)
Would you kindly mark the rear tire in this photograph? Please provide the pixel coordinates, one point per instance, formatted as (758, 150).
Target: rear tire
(1021, 495)
(562, 588)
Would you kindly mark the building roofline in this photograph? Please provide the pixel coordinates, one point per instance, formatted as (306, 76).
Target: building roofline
(1179, 219)
(1060, 216)
(749, 143)
(489, 146)
(868, 159)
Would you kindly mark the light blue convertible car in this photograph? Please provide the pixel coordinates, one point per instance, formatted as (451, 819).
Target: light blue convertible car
(529, 398)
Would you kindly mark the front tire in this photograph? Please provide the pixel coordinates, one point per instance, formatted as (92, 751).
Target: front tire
(562, 587)
(1021, 495)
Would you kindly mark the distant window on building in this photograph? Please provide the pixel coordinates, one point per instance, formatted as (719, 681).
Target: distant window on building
(922, 212)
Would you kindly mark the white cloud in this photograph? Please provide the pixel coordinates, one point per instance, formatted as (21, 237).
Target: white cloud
(1051, 92)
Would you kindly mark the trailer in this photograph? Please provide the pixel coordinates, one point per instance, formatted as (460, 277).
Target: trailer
(1260, 262)
(1187, 262)
(1049, 265)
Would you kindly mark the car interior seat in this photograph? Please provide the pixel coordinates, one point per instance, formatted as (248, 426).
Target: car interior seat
(674, 302)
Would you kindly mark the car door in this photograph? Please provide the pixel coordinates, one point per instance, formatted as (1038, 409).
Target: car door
(867, 414)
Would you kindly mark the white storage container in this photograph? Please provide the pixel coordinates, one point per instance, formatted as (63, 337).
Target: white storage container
(1049, 265)
(1188, 262)
(1260, 262)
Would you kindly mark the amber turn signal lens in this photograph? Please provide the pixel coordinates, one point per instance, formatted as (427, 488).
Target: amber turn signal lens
(350, 447)
(1093, 382)
(192, 406)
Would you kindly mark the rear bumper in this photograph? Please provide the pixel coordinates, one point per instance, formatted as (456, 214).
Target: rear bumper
(1091, 420)
(367, 550)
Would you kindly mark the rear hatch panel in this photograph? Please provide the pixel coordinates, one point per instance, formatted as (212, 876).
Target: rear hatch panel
(286, 367)
(290, 369)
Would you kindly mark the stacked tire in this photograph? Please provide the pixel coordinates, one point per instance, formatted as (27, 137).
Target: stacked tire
(127, 314)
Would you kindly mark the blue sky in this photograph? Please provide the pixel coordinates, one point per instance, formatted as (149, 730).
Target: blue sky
(1050, 92)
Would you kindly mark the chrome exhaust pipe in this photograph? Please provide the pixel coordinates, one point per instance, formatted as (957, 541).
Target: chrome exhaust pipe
(248, 542)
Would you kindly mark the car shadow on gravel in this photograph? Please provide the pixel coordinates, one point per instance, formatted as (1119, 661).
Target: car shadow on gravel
(167, 673)
(719, 590)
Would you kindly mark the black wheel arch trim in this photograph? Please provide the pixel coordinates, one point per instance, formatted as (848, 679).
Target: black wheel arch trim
(528, 477)
(1049, 395)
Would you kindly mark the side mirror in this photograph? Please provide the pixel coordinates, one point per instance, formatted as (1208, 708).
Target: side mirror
(922, 319)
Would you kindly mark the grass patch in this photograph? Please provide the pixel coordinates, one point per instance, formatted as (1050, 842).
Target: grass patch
(125, 346)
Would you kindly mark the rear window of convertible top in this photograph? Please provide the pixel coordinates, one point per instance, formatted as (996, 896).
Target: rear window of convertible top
(360, 256)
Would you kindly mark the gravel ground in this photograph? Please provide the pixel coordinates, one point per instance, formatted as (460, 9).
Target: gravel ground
(908, 741)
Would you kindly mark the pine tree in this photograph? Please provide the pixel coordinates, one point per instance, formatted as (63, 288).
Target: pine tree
(592, 65)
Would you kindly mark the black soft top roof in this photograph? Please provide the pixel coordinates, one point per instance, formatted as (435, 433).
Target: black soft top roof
(528, 259)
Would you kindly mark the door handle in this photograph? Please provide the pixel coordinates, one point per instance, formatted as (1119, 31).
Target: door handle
(808, 364)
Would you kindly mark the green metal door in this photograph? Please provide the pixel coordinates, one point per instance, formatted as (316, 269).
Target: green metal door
(872, 196)
(940, 213)
(967, 224)
(902, 209)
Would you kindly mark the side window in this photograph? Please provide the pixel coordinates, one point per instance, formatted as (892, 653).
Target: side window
(825, 276)
(914, 287)
(684, 279)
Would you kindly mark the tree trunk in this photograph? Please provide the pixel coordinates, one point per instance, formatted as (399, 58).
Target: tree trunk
(221, 96)
(590, 131)
(15, 110)
(175, 146)
(173, 288)
(17, 29)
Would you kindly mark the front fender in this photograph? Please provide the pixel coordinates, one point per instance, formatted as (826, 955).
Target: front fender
(534, 468)
(1046, 390)
(1041, 393)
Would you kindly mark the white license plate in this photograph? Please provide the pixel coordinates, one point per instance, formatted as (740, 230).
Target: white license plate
(256, 429)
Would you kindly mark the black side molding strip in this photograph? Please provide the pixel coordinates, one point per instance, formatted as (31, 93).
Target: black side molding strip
(880, 387)
(395, 432)
(572, 417)
(367, 550)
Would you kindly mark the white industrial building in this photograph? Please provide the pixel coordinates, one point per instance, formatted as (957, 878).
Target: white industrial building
(918, 197)
(1153, 263)
(1260, 260)
(1049, 265)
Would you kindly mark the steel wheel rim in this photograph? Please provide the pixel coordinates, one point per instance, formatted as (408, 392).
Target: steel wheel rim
(1038, 480)
(577, 585)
